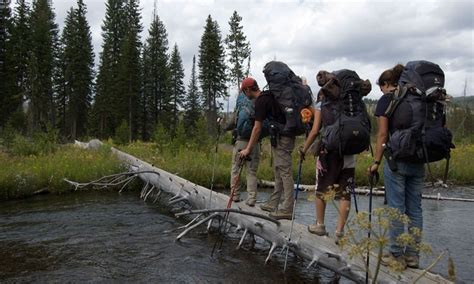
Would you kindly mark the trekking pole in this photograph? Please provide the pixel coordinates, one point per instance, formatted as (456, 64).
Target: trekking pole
(234, 185)
(215, 161)
(355, 196)
(373, 179)
(298, 181)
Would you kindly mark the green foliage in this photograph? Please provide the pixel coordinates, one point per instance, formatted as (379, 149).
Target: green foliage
(41, 65)
(104, 111)
(129, 77)
(28, 174)
(122, 133)
(161, 138)
(212, 71)
(192, 104)
(238, 49)
(156, 99)
(180, 139)
(201, 138)
(193, 160)
(5, 30)
(76, 74)
(41, 143)
(177, 90)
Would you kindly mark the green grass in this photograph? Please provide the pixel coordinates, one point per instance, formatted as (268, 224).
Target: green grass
(21, 176)
(196, 165)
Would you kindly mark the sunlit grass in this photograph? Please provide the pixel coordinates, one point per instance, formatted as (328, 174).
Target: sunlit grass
(196, 165)
(21, 176)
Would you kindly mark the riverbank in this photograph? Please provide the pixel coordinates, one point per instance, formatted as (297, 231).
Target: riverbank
(25, 175)
(196, 165)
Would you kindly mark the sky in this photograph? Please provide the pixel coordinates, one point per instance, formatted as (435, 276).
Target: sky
(365, 36)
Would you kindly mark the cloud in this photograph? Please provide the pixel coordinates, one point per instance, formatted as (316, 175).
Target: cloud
(366, 36)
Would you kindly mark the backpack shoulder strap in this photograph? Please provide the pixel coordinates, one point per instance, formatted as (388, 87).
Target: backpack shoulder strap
(397, 98)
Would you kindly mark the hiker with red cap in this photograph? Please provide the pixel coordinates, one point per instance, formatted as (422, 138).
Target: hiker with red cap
(266, 107)
(284, 125)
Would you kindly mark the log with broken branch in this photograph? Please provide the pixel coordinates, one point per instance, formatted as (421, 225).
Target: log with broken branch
(210, 206)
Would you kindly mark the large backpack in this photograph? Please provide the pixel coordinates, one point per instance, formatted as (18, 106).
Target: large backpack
(291, 95)
(346, 124)
(417, 115)
(245, 118)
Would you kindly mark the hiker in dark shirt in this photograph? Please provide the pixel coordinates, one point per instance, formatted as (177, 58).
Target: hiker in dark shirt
(403, 187)
(267, 108)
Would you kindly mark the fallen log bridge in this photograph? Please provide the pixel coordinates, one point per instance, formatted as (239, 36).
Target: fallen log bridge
(206, 206)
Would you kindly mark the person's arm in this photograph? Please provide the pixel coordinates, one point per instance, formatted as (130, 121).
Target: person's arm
(382, 138)
(314, 131)
(257, 129)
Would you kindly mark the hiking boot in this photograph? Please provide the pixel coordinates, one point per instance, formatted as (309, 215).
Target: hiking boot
(281, 214)
(236, 198)
(412, 261)
(318, 229)
(266, 207)
(250, 202)
(338, 236)
(398, 262)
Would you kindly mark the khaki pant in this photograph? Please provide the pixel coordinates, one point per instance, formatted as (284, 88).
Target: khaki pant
(283, 171)
(251, 167)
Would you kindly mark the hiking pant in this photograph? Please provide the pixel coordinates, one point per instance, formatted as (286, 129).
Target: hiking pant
(251, 168)
(283, 171)
(403, 189)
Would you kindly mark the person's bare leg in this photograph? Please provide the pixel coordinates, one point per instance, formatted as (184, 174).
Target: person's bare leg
(320, 210)
(344, 208)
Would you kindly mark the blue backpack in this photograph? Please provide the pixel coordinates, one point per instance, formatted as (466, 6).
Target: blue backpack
(245, 118)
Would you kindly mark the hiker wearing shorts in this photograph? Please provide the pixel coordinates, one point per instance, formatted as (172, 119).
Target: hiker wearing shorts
(334, 173)
(341, 116)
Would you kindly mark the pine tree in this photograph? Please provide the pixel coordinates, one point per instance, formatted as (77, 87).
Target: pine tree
(177, 89)
(238, 49)
(144, 102)
(84, 87)
(18, 51)
(156, 79)
(5, 29)
(104, 113)
(130, 69)
(192, 105)
(77, 74)
(44, 42)
(212, 71)
(63, 73)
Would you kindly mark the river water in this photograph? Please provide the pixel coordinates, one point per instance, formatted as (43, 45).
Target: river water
(104, 236)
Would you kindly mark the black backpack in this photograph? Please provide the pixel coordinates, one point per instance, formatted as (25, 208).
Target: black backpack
(290, 93)
(345, 121)
(417, 115)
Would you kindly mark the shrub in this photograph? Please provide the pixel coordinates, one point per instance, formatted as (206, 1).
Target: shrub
(122, 133)
(161, 137)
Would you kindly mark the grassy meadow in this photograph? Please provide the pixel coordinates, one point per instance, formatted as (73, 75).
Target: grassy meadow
(196, 164)
(33, 165)
(25, 175)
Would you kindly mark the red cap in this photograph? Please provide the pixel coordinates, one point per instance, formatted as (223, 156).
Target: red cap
(248, 83)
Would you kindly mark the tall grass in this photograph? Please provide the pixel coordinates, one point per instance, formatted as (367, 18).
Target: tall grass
(22, 176)
(196, 164)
